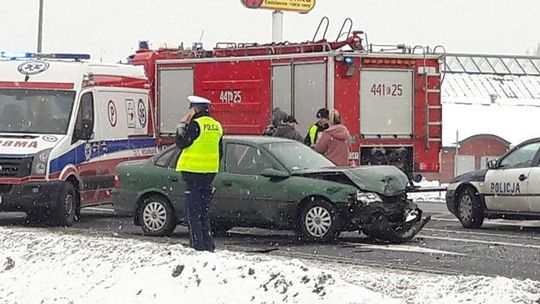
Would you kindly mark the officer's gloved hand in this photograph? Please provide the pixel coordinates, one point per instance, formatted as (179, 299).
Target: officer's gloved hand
(181, 130)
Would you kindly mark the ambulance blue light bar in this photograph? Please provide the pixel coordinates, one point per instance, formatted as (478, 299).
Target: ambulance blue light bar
(15, 55)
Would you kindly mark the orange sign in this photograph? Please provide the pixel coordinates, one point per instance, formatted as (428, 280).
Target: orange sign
(301, 6)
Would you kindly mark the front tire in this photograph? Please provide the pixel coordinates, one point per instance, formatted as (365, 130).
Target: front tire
(319, 222)
(66, 207)
(470, 211)
(157, 216)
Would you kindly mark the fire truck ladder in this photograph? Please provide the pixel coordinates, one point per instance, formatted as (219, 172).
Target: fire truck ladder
(432, 96)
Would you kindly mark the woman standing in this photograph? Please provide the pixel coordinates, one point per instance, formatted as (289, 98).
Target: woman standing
(335, 142)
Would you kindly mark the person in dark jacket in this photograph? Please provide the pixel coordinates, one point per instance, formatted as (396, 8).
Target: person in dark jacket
(200, 138)
(278, 116)
(288, 129)
(319, 126)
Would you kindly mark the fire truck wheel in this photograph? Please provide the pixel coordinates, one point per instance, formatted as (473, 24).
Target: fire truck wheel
(470, 211)
(157, 216)
(66, 207)
(319, 222)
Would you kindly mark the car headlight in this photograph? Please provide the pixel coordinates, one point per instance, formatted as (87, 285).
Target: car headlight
(368, 197)
(40, 161)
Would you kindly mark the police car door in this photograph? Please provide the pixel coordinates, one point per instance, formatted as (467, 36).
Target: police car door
(507, 186)
(533, 198)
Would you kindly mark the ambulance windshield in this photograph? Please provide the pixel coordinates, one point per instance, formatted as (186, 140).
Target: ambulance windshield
(35, 111)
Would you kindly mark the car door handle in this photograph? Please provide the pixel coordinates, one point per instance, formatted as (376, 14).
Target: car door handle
(173, 179)
(227, 184)
(522, 177)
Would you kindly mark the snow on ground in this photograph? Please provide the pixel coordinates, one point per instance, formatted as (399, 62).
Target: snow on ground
(41, 266)
(438, 196)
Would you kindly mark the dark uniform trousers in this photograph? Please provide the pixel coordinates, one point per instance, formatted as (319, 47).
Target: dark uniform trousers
(197, 203)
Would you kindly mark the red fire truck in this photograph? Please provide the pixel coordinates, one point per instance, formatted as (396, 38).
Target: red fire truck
(388, 98)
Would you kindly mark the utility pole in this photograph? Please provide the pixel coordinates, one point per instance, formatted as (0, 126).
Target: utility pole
(277, 26)
(40, 26)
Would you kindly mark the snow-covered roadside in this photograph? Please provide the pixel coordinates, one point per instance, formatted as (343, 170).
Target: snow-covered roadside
(428, 196)
(38, 266)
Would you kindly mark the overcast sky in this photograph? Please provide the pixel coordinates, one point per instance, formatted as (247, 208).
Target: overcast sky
(110, 29)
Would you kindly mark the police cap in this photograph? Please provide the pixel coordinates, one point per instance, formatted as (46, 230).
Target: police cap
(197, 101)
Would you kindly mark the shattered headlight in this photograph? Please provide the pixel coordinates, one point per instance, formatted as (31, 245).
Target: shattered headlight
(368, 197)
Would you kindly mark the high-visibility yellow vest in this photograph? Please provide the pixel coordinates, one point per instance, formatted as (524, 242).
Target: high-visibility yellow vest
(202, 156)
(313, 133)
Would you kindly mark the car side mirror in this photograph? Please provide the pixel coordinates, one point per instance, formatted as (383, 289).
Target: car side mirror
(492, 163)
(269, 172)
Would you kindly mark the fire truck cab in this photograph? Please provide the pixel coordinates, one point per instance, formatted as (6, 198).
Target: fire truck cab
(65, 125)
(388, 99)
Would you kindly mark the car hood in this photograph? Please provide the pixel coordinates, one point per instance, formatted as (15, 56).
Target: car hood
(472, 176)
(385, 180)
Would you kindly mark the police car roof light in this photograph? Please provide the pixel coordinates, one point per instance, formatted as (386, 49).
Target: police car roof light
(15, 55)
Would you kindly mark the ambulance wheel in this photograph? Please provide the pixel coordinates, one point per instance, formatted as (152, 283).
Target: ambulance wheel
(66, 207)
(470, 211)
(319, 222)
(157, 216)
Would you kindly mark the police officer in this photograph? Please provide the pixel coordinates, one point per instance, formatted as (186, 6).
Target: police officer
(317, 127)
(199, 136)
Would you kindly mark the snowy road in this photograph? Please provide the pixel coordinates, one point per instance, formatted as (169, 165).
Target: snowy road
(501, 248)
(106, 259)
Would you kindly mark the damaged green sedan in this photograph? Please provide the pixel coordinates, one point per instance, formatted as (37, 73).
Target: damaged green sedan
(275, 183)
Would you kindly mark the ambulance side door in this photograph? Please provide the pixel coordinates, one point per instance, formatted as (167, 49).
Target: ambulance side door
(84, 139)
(507, 186)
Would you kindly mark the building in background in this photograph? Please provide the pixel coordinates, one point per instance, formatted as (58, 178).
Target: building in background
(489, 104)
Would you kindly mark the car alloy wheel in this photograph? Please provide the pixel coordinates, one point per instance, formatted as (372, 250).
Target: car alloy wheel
(157, 216)
(154, 216)
(318, 221)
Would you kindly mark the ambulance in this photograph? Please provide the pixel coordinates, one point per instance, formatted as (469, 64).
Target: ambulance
(65, 123)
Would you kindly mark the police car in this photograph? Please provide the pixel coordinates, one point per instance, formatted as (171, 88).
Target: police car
(509, 188)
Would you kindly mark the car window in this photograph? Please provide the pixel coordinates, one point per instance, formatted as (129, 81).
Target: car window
(163, 159)
(297, 156)
(244, 159)
(521, 157)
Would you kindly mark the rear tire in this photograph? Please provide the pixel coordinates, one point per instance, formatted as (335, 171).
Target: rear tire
(157, 216)
(319, 222)
(470, 211)
(66, 207)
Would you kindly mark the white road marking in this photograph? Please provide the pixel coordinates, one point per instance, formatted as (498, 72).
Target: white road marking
(478, 241)
(405, 248)
(482, 233)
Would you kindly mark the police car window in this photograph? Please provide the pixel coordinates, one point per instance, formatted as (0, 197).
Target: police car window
(163, 159)
(244, 159)
(520, 158)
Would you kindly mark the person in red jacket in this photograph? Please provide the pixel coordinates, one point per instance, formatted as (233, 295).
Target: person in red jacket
(335, 142)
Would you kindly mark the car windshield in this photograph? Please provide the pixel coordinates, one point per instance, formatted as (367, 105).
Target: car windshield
(297, 156)
(35, 111)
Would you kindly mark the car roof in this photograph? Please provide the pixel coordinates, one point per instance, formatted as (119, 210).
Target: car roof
(256, 139)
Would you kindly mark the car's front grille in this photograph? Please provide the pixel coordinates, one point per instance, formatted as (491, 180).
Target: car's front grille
(15, 167)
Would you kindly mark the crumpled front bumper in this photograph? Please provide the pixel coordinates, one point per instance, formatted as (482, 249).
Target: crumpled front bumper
(395, 220)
